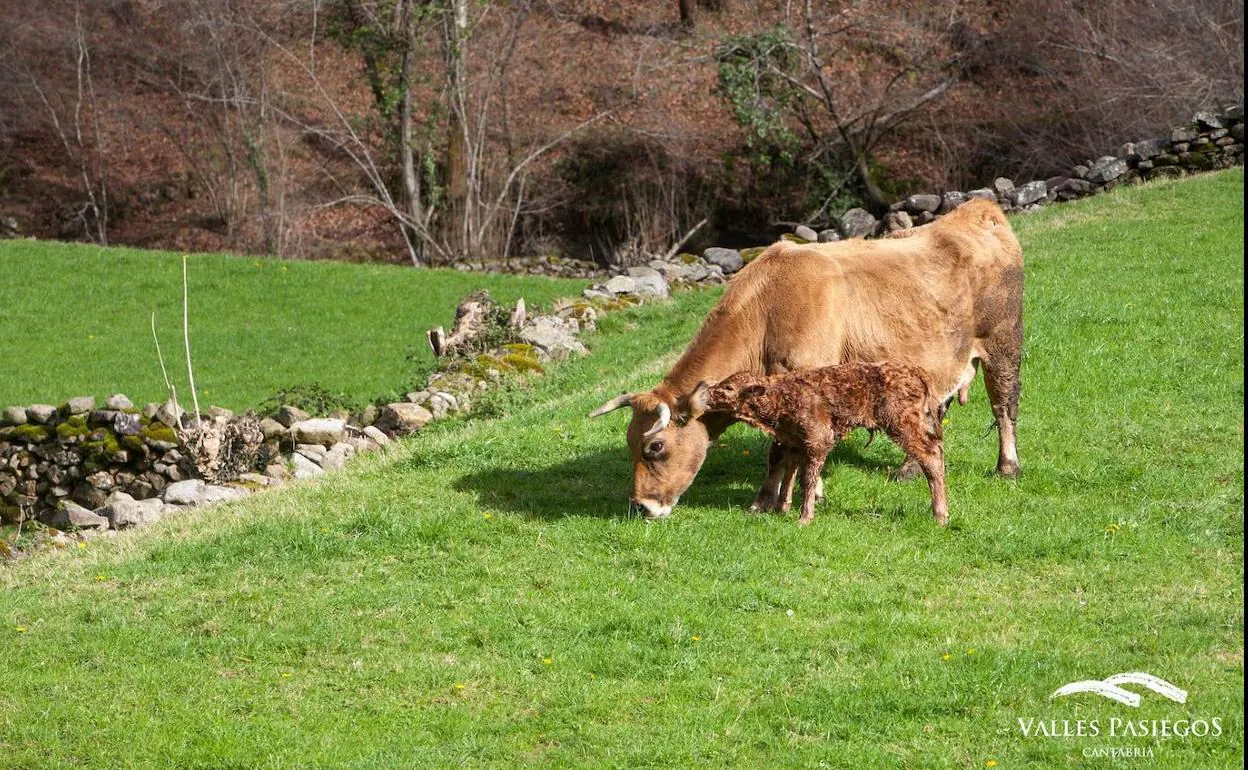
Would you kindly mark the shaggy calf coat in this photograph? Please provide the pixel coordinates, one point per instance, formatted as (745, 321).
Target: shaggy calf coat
(809, 411)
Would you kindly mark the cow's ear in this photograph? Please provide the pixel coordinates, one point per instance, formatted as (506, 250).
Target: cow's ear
(697, 400)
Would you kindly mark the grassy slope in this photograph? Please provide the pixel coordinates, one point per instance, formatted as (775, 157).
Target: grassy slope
(75, 320)
(479, 598)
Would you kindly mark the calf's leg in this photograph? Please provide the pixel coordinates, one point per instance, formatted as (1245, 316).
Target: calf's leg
(812, 467)
(926, 448)
(768, 497)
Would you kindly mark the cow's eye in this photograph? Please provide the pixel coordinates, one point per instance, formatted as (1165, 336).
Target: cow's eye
(655, 448)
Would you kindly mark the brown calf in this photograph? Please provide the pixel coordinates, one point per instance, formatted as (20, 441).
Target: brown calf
(809, 411)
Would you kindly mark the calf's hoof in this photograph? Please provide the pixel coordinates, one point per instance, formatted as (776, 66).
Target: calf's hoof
(942, 519)
(1007, 470)
(805, 521)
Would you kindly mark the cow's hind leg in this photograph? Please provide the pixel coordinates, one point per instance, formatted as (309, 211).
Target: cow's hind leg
(1001, 376)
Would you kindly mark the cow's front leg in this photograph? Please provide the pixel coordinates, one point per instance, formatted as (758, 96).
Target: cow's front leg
(768, 498)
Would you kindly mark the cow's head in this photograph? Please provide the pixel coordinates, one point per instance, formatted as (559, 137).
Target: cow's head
(668, 443)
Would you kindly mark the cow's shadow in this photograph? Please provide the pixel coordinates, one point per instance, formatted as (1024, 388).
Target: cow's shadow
(597, 484)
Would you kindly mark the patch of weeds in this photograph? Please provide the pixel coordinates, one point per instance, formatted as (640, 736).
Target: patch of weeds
(311, 398)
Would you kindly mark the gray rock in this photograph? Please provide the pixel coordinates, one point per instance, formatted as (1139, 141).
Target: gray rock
(418, 397)
(728, 260)
(555, 337)
(1184, 134)
(303, 468)
(170, 414)
(442, 405)
(858, 223)
(322, 430)
(1079, 172)
(258, 479)
(950, 201)
(13, 415)
(1002, 186)
(219, 411)
(1208, 120)
(917, 204)
(1151, 148)
(215, 493)
(369, 415)
(830, 235)
(122, 514)
(188, 492)
(649, 283)
(1126, 150)
(80, 405)
(402, 417)
(289, 415)
(337, 456)
(150, 410)
(1028, 193)
(272, 429)
(1107, 169)
(1233, 114)
(117, 402)
(983, 194)
(70, 515)
(376, 435)
(41, 414)
(314, 452)
(126, 424)
(276, 472)
(1237, 132)
(897, 220)
(621, 284)
(806, 233)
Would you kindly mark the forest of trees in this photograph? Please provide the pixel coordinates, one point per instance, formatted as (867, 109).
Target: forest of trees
(432, 131)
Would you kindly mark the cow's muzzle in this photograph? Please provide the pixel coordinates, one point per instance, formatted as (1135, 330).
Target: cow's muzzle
(649, 509)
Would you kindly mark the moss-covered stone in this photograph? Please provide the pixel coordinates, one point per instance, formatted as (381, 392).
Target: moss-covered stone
(158, 431)
(31, 434)
(751, 254)
(687, 258)
(132, 443)
(524, 363)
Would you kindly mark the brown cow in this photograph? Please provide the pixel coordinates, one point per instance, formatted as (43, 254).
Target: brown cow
(943, 298)
(811, 410)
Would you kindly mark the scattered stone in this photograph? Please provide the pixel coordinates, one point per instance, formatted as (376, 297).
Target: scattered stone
(1107, 169)
(126, 424)
(220, 412)
(258, 479)
(1028, 194)
(897, 220)
(806, 233)
(983, 194)
(950, 201)
(150, 410)
(1151, 148)
(829, 235)
(170, 414)
(858, 223)
(303, 468)
(276, 472)
(917, 204)
(556, 337)
(289, 415)
(1208, 120)
(376, 435)
(1237, 132)
(118, 402)
(80, 405)
(337, 456)
(13, 415)
(216, 493)
(1001, 186)
(402, 417)
(41, 414)
(647, 282)
(122, 513)
(728, 260)
(272, 429)
(189, 492)
(323, 431)
(70, 515)
(1184, 134)
(442, 405)
(369, 415)
(314, 452)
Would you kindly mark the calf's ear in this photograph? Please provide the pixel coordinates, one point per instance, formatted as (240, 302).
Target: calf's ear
(697, 400)
(753, 391)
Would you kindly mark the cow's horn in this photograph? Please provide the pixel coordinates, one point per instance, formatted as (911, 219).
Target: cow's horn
(665, 416)
(624, 399)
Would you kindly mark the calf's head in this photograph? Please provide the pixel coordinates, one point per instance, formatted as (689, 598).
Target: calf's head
(668, 443)
(735, 395)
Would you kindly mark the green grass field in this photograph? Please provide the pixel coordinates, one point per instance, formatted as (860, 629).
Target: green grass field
(76, 320)
(479, 598)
